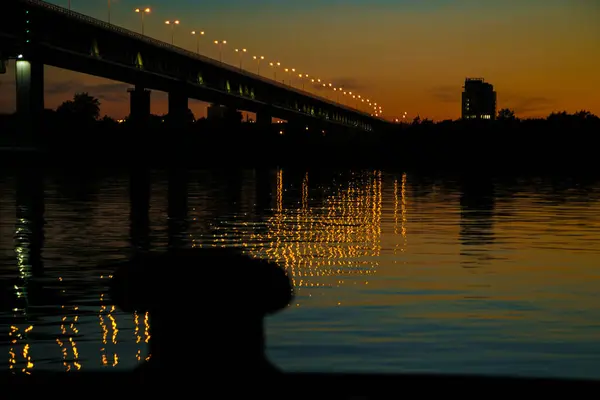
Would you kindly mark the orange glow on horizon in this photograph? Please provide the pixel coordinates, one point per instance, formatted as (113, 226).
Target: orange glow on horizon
(540, 59)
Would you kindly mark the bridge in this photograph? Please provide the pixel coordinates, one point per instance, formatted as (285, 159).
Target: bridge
(37, 33)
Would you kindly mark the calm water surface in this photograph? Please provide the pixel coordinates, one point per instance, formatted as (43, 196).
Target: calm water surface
(394, 272)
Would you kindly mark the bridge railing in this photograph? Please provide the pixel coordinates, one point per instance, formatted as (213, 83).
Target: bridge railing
(179, 50)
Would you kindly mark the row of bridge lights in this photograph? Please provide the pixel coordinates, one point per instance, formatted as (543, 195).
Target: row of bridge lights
(373, 107)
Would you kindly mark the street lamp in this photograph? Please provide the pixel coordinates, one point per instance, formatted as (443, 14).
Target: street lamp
(275, 65)
(198, 36)
(290, 71)
(241, 53)
(220, 43)
(258, 61)
(302, 76)
(172, 23)
(326, 93)
(337, 93)
(142, 11)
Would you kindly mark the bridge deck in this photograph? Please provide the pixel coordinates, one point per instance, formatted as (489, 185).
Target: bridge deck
(167, 67)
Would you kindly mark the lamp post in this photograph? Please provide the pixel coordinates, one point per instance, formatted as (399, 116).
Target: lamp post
(302, 76)
(241, 53)
(220, 43)
(275, 66)
(198, 36)
(290, 71)
(172, 23)
(142, 12)
(337, 94)
(258, 58)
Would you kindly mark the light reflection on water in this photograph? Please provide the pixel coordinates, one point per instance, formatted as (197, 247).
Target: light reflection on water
(393, 272)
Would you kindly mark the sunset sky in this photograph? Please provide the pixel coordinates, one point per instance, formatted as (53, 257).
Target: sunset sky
(408, 55)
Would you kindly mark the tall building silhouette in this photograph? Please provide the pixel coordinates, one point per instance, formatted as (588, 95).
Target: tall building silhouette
(478, 99)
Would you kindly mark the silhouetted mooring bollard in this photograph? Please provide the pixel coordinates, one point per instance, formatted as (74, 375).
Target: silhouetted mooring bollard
(207, 308)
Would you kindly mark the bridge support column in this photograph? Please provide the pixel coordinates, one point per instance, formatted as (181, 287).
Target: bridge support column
(139, 106)
(177, 213)
(264, 119)
(139, 199)
(178, 110)
(29, 76)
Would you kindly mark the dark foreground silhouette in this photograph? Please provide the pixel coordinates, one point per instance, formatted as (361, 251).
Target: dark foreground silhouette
(207, 308)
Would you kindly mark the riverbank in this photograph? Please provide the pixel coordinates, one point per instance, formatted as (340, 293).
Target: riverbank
(225, 155)
(544, 145)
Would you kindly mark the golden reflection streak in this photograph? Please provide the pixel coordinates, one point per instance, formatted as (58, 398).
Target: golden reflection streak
(109, 328)
(138, 334)
(396, 205)
(22, 242)
(305, 192)
(68, 323)
(15, 336)
(279, 190)
(319, 246)
(147, 327)
(404, 220)
(104, 329)
(400, 202)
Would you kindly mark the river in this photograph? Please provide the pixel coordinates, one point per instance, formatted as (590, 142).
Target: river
(394, 271)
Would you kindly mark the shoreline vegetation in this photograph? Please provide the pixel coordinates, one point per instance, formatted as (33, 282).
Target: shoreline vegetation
(75, 132)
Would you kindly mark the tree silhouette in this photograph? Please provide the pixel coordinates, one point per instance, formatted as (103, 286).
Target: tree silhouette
(83, 107)
(190, 118)
(585, 115)
(506, 114)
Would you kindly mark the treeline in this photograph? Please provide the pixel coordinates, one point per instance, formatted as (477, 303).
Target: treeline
(561, 140)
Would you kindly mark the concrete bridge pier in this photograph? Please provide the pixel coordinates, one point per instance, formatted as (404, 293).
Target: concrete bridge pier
(29, 74)
(264, 188)
(264, 120)
(178, 110)
(139, 106)
(177, 213)
(139, 215)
